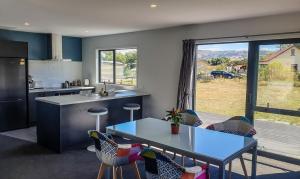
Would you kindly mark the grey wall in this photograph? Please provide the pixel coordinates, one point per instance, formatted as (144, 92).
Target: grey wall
(160, 51)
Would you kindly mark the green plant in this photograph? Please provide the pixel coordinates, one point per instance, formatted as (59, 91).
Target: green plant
(175, 116)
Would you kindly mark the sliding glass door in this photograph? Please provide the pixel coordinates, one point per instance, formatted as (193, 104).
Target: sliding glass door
(221, 80)
(277, 111)
(257, 79)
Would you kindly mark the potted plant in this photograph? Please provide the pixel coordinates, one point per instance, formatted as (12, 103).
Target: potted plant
(175, 116)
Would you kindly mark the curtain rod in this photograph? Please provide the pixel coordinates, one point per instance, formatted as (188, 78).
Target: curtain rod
(247, 36)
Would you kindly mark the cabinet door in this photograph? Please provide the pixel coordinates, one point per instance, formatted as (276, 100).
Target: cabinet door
(32, 106)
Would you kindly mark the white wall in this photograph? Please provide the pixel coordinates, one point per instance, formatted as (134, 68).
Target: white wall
(52, 73)
(160, 52)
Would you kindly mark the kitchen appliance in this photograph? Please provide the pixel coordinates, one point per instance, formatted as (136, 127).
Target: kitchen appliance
(13, 85)
(31, 82)
(66, 84)
(86, 82)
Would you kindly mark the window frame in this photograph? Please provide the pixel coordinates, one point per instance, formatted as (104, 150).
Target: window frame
(114, 65)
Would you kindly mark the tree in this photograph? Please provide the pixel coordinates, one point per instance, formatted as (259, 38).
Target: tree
(218, 61)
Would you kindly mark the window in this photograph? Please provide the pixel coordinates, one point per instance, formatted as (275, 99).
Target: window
(292, 52)
(118, 66)
(221, 78)
(294, 67)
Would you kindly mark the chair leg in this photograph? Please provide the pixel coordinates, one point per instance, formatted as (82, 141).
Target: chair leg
(101, 170)
(229, 170)
(137, 173)
(174, 156)
(244, 167)
(121, 172)
(114, 172)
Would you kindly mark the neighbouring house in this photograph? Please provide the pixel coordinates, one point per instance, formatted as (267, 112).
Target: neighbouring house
(107, 67)
(288, 56)
(237, 68)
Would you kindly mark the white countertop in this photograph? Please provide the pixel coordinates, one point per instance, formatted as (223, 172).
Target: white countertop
(77, 99)
(61, 89)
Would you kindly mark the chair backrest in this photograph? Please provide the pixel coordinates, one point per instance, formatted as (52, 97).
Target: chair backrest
(191, 118)
(158, 165)
(106, 149)
(241, 118)
(234, 126)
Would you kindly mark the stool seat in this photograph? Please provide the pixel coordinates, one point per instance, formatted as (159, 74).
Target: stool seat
(132, 106)
(98, 111)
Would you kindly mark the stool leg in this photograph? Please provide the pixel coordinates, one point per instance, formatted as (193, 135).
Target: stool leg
(131, 115)
(98, 123)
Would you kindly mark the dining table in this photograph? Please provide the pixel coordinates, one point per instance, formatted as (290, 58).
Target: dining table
(212, 147)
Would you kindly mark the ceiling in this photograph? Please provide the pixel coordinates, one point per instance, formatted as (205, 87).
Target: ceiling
(101, 17)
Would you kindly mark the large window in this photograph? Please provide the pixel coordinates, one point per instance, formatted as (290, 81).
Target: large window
(265, 88)
(118, 66)
(222, 78)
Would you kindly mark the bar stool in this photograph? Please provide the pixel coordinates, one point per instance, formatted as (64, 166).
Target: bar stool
(132, 107)
(100, 111)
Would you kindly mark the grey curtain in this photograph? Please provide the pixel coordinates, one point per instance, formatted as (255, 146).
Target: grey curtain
(185, 87)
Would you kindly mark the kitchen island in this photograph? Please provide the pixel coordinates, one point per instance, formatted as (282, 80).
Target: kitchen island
(63, 121)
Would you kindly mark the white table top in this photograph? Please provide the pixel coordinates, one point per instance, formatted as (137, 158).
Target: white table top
(194, 140)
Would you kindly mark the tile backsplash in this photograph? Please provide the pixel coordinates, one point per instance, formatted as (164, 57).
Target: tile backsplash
(53, 73)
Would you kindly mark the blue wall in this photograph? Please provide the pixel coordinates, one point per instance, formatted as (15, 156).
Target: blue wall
(72, 48)
(39, 44)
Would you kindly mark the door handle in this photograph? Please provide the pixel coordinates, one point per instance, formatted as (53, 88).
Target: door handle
(11, 101)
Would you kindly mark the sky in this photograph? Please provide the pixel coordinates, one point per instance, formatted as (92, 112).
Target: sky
(235, 46)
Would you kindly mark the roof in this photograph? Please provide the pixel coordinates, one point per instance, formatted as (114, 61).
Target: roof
(272, 56)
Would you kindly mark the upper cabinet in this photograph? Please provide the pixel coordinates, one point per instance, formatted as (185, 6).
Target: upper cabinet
(39, 47)
(39, 44)
(71, 48)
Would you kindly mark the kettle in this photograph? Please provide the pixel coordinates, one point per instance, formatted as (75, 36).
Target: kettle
(86, 82)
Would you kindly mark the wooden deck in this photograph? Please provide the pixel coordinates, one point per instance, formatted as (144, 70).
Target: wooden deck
(273, 137)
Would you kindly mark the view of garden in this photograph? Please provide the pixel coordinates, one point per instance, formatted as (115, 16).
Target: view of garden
(125, 66)
(221, 80)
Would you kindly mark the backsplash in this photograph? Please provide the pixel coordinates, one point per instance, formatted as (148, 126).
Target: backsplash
(53, 73)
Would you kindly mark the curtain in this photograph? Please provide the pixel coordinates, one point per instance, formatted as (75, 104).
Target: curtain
(185, 86)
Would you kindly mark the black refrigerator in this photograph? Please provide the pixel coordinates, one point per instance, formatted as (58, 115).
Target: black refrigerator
(13, 85)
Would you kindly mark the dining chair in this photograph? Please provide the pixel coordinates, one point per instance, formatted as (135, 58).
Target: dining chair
(238, 125)
(158, 166)
(115, 155)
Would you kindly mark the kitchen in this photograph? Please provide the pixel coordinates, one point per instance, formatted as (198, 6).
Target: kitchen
(57, 76)
(123, 89)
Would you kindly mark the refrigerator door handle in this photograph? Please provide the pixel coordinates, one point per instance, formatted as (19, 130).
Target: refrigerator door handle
(11, 101)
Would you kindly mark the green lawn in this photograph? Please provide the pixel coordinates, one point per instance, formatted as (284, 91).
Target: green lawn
(228, 97)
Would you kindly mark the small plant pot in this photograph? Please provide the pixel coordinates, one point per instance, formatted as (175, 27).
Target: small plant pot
(174, 129)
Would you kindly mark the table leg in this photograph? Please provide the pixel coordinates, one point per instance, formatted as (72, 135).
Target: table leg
(254, 162)
(222, 171)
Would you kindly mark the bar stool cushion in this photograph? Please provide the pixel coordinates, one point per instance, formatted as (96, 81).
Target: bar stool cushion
(132, 106)
(98, 111)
